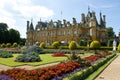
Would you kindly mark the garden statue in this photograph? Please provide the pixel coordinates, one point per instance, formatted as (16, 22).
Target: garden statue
(114, 46)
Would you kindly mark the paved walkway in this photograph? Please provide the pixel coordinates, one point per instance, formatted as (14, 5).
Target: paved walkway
(112, 72)
(27, 67)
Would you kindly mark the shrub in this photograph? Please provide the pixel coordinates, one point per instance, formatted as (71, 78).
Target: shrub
(34, 48)
(56, 44)
(30, 57)
(42, 45)
(49, 47)
(5, 54)
(3, 45)
(118, 47)
(15, 44)
(95, 45)
(64, 47)
(8, 45)
(72, 45)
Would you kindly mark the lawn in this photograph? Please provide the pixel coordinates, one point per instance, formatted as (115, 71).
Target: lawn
(46, 58)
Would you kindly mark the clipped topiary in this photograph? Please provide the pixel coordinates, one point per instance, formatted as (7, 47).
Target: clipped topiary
(118, 47)
(30, 57)
(8, 45)
(42, 45)
(3, 45)
(72, 45)
(15, 44)
(95, 45)
(56, 44)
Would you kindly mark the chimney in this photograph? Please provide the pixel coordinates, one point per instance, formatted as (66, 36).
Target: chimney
(28, 25)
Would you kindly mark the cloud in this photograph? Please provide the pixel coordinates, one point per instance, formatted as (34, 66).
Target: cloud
(34, 11)
(17, 12)
(108, 6)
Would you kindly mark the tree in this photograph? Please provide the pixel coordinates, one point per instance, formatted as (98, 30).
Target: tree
(110, 32)
(4, 33)
(14, 36)
(22, 41)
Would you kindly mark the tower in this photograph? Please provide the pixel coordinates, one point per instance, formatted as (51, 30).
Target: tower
(93, 25)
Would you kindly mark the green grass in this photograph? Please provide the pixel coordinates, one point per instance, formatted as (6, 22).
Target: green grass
(46, 58)
(97, 72)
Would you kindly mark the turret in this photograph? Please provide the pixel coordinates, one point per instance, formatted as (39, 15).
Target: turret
(93, 15)
(101, 21)
(31, 26)
(83, 18)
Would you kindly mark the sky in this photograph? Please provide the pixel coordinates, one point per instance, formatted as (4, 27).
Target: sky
(16, 13)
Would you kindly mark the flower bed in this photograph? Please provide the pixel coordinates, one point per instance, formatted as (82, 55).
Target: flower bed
(48, 73)
(92, 58)
(59, 54)
(56, 72)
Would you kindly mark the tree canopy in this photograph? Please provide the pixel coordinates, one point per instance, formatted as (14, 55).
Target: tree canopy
(8, 36)
(110, 32)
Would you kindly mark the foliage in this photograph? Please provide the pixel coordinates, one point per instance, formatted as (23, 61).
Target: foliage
(4, 34)
(14, 44)
(30, 57)
(42, 45)
(3, 45)
(95, 45)
(8, 45)
(14, 36)
(118, 47)
(22, 41)
(110, 32)
(56, 44)
(72, 45)
(5, 54)
(8, 36)
(33, 48)
(83, 43)
(49, 47)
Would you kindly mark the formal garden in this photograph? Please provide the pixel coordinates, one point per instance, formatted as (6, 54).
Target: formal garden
(73, 62)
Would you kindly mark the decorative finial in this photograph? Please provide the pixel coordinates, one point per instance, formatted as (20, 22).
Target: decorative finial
(100, 13)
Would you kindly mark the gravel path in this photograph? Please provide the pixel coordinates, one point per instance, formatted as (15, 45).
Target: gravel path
(112, 72)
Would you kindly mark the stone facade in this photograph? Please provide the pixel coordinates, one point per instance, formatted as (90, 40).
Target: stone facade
(64, 31)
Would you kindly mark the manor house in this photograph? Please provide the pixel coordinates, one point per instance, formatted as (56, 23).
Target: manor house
(89, 28)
